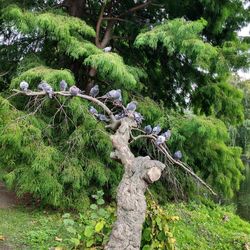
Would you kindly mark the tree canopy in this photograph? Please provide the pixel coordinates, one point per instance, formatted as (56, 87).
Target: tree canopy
(175, 58)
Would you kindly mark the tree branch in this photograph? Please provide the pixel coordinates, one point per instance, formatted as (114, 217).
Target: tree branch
(67, 93)
(98, 27)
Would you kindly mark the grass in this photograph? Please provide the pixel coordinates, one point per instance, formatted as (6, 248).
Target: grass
(24, 228)
(202, 228)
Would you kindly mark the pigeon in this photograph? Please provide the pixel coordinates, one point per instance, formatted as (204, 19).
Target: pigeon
(74, 90)
(102, 117)
(24, 86)
(131, 106)
(167, 134)
(148, 129)
(156, 130)
(160, 140)
(63, 85)
(43, 85)
(93, 111)
(138, 117)
(49, 90)
(107, 49)
(94, 91)
(177, 155)
(114, 94)
(119, 116)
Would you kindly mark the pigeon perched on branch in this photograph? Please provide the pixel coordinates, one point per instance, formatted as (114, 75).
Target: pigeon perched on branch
(94, 91)
(156, 130)
(24, 86)
(177, 155)
(43, 85)
(49, 90)
(148, 129)
(114, 94)
(74, 90)
(93, 111)
(102, 117)
(119, 116)
(167, 134)
(138, 118)
(131, 106)
(63, 85)
(107, 49)
(160, 140)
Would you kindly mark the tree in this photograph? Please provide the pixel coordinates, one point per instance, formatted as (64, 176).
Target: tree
(174, 54)
(139, 172)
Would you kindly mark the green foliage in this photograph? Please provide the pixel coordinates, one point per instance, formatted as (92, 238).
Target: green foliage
(221, 100)
(204, 141)
(207, 222)
(90, 230)
(183, 37)
(156, 232)
(35, 75)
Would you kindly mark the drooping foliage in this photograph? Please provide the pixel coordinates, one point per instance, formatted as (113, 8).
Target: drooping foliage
(174, 57)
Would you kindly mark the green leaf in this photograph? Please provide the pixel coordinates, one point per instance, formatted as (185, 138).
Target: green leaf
(75, 241)
(93, 206)
(71, 230)
(147, 234)
(90, 242)
(89, 231)
(146, 247)
(100, 201)
(99, 226)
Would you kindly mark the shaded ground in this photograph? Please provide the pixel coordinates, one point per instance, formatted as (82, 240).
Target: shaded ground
(7, 198)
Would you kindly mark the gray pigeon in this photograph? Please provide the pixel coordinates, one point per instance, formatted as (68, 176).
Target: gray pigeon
(119, 116)
(43, 85)
(138, 117)
(148, 129)
(93, 111)
(73, 90)
(94, 91)
(49, 90)
(156, 130)
(177, 155)
(131, 106)
(24, 86)
(107, 49)
(63, 85)
(102, 117)
(114, 94)
(160, 140)
(167, 134)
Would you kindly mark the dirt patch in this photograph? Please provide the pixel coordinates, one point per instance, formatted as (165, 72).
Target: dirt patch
(7, 198)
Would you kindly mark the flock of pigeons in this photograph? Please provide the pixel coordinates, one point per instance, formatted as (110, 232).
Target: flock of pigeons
(116, 97)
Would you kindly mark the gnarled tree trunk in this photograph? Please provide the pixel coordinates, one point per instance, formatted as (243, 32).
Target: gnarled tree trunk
(131, 203)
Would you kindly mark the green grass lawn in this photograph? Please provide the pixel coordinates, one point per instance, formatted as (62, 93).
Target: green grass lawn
(24, 228)
(199, 228)
(203, 228)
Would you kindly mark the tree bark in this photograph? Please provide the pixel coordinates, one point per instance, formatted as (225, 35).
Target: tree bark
(131, 202)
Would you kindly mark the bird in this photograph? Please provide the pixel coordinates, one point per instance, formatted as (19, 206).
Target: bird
(156, 130)
(24, 86)
(119, 116)
(160, 140)
(138, 117)
(102, 117)
(114, 94)
(131, 106)
(73, 90)
(107, 49)
(93, 111)
(94, 91)
(167, 134)
(49, 90)
(148, 129)
(63, 85)
(43, 85)
(177, 155)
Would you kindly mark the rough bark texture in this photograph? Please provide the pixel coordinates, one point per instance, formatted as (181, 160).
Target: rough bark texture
(131, 203)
